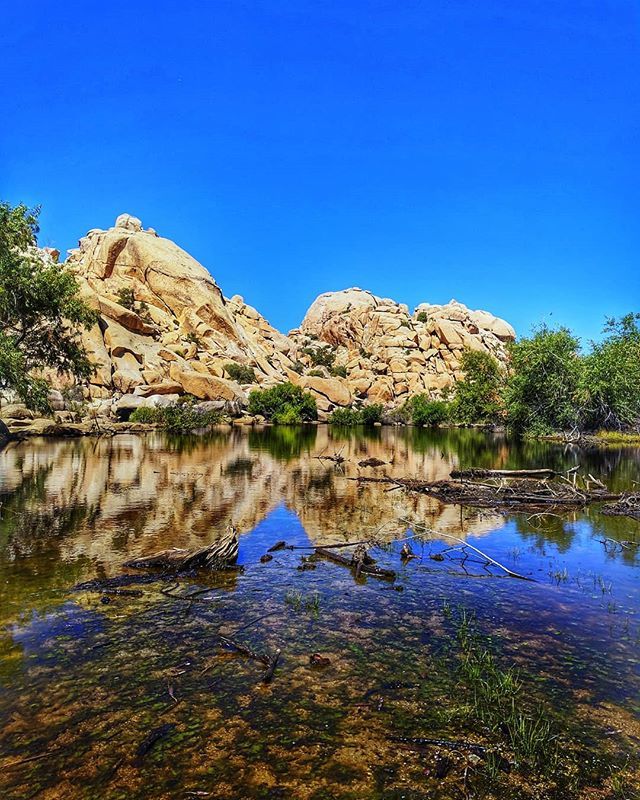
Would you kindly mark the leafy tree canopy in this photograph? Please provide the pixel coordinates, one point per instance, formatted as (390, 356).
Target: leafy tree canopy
(40, 311)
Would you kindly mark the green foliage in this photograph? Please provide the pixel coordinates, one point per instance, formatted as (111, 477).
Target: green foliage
(405, 323)
(345, 416)
(40, 312)
(146, 415)
(240, 373)
(339, 372)
(126, 297)
(180, 417)
(366, 415)
(422, 410)
(284, 404)
(316, 373)
(543, 390)
(320, 356)
(422, 316)
(611, 378)
(477, 397)
(372, 413)
(193, 338)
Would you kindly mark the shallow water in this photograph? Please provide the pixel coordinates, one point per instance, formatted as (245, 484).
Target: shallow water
(136, 697)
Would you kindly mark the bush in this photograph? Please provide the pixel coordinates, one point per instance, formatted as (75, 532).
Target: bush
(611, 379)
(285, 404)
(477, 398)
(240, 373)
(320, 356)
(422, 410)
(180, 417)
(543, 389)
(316, 373)
(345, 416)
(372, 413)
(146, 415)
(126, 298)
(339, 372)
(422, 316)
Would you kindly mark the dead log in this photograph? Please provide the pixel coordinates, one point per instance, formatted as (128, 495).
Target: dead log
(214, 556)
(366, 569)
(627, 506)
(268, 675)
(503, 473)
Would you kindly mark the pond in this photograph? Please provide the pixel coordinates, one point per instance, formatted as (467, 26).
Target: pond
(452, 681)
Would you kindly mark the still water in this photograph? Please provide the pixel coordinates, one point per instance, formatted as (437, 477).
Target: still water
(137, 696)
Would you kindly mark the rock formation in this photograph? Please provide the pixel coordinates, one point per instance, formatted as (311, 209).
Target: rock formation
(165, 329)
(389, 354)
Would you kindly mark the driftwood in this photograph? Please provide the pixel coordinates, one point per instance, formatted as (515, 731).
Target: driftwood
(270, 662)
(371, 462)
(627, 506)
(359, 565)
(518, 495)
(215, 556)
(503, 473)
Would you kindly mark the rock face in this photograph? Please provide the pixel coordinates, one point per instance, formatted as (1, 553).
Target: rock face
(389, 354)
(164, 321)
(165, 329)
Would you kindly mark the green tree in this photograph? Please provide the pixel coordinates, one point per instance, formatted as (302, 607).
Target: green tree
(422, 410)
(543, 388)
(40, 312)
(612, 376)
(477, 397)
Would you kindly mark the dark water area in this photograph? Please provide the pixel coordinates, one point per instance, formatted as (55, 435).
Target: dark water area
(137, 696)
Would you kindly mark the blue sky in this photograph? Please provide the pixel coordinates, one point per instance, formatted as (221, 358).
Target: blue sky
(482, 150)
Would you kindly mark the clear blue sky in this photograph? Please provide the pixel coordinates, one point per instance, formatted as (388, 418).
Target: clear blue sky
(482, 150)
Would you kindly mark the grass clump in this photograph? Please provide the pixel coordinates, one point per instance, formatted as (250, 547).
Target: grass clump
(296, 600)
(497, 699)
(284, 404)
(241, 373)
(339, 371)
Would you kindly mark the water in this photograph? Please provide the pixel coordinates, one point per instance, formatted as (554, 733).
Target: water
(107, 696)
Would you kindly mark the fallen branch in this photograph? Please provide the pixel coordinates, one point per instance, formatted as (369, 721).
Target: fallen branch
(367, 569)
(503, 473)
(214, 556)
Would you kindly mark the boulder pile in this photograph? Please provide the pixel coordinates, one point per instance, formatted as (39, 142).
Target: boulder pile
(165, 329)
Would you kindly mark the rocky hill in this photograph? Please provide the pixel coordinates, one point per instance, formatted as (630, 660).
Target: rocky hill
(165, 329)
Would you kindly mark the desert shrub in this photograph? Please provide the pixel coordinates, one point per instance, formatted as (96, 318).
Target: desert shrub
(320, 356)
(241, 373)
(422, 316)
(339, 372)
(543, 389)
(126, 298)
(193, 338)
(478, 397)
(422, 410)
(372, 413)
(146, 415)
(316, 373)
(285, 404)
(345, 416)
(184, 416)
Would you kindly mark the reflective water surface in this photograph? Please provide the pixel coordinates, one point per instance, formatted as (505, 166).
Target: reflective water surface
(135, 695)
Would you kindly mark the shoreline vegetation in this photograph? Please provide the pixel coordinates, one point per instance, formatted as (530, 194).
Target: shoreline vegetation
(545, 386)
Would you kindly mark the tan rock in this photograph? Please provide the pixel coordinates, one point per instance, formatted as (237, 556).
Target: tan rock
(208, 387)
